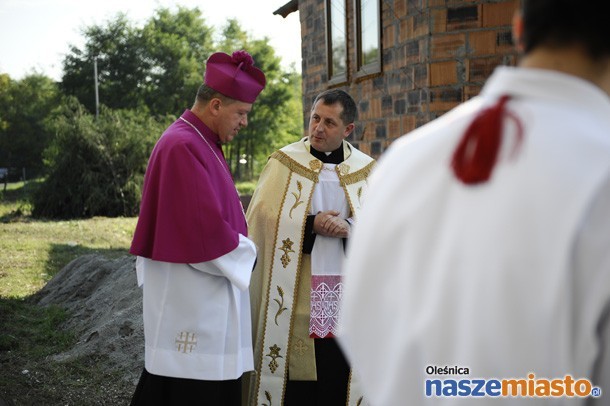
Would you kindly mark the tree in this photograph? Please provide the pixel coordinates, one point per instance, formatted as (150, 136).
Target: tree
(147, 76)
(122, 64)
(96, 166)
(168, 56)
(5, 100)
(276, 117)
(24, 105)
(158, 66)
(177, 46)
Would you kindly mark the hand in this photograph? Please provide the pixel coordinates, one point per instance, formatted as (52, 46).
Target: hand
(328, 224)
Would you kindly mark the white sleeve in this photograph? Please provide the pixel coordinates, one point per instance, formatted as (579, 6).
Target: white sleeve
(140, 270)
(592, 283)
(236, 265)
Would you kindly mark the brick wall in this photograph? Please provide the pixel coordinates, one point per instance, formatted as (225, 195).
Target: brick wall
(436, 54)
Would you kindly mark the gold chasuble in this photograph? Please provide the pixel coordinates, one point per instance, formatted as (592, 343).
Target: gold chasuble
(281, 282)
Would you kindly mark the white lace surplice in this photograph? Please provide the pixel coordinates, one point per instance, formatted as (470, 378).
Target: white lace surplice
(327, 257)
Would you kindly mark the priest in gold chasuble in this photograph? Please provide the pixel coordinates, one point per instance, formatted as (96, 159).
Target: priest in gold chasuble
(307, 197)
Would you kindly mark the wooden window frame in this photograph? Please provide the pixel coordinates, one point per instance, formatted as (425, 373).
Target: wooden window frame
(373, 67)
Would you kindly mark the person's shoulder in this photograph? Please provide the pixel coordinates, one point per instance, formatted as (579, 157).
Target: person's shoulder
(294, 147)
(432, 140)
(447, 125)
(356, 152)
(297, 151)
(178, 138)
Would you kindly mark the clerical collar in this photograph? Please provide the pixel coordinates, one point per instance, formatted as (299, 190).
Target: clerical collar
(335, 157)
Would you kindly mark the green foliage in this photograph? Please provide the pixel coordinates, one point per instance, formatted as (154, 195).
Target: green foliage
(24, 104)
(165, 67)
(245, 188)
(276, 116)
(158, 66)
(6, 100)
(95, 166)
(176, 44)
(122, 66)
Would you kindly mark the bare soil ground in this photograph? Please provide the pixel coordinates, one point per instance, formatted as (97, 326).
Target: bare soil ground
(102, 368)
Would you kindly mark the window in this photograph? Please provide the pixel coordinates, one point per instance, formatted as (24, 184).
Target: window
(368, 37)
(337, 40)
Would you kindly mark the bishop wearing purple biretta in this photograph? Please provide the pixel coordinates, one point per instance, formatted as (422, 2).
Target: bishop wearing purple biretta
(194, 259)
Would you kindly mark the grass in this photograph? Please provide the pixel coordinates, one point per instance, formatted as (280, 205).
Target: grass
(31, 253)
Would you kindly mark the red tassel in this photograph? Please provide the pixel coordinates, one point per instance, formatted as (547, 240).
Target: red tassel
(477, 153)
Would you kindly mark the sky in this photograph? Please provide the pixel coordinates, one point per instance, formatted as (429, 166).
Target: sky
(35, 34)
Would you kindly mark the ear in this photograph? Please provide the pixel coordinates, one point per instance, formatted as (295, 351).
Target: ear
(518, 31)
(214, 106)
(348, 130)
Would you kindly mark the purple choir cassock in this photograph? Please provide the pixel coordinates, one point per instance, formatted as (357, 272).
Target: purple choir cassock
(186, 175)
(194, 258)
(190, 230)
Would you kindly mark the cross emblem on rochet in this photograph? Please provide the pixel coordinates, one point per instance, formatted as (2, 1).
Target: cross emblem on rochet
(186, 342)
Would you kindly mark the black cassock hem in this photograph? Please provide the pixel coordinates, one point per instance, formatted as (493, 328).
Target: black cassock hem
(156, 390)
(333, 374)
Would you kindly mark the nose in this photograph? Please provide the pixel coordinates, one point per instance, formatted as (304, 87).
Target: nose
(319, 127)
(244, 121)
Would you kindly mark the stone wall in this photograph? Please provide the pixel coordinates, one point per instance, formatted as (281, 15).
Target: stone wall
(436, 54)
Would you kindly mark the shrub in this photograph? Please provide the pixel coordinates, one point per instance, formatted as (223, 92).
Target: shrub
(95, 166)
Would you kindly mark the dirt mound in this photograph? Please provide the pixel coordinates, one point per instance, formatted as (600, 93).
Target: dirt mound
(105, 304)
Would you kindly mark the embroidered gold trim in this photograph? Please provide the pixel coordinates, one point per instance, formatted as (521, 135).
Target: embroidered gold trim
(287, 248)
(281, 308)
(268, 291)
(297, 169)
(343, 169)
(269, 398)
(297, 198)
(350, 204)
(274, 353)
(294, 166)
(357, 176)
(296, 283)
(315, 165)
